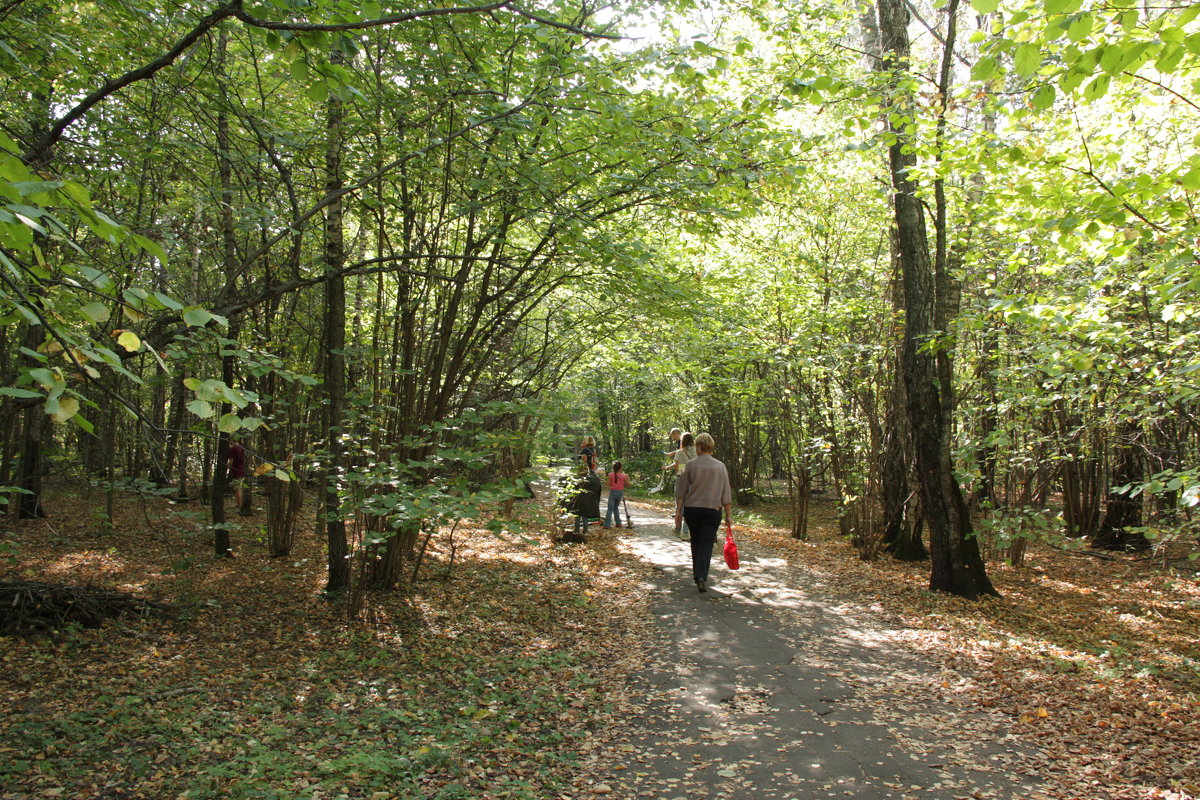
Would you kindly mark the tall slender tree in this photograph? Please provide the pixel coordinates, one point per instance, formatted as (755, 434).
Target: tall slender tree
(957, 566)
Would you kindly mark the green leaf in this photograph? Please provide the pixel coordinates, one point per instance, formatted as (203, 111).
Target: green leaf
(196, 317)
(983, 69)
(1097, 88)
(11, 391)
(1027, 59)
(1044, 97)
(201, 409)
(212, 391)
(1169, 58)
(1191, 179)
(230, 423)
(150, 246)
(97, 312)
(168, 301)
(985, 6)
(1081, 28)
(236, 397)
(318, 91)
(1062, 6)
(1072, 80)
(45, 378)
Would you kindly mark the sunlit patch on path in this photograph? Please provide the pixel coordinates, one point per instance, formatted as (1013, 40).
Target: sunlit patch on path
(769, 687)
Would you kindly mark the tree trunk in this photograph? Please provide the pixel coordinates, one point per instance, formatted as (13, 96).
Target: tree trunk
(30, 466)
(1124, 510)
(229, 249)
(957, 566)
(334, 348)
(900, 537)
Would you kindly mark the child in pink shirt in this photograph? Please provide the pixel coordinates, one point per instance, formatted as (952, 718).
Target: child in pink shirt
(617, 483)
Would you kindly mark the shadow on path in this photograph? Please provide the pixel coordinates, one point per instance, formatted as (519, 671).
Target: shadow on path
(769, 687)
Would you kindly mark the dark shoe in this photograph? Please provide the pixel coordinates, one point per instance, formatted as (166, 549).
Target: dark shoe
(702, 586)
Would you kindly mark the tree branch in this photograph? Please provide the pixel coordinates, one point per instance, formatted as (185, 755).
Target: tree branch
(407, 16)
(37, 152)
(230, 289)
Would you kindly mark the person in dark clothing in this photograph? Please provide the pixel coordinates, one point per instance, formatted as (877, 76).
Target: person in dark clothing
(701, 493)
(585, 503)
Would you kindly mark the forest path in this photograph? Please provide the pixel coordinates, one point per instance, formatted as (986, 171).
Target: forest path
(771, 687)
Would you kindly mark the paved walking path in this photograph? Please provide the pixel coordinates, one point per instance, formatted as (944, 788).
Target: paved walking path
(771, 687)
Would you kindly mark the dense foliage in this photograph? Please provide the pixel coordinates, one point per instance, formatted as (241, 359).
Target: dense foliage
(396, 251)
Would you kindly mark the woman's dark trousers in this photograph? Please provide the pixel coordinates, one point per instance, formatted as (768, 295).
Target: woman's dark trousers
(702, 527)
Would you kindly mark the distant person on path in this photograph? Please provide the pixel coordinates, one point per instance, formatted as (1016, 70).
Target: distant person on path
(235, 457)
(668, 482)
(617, 483)
(679, 460)
(685, 454)
(701, 493)
(587, 452)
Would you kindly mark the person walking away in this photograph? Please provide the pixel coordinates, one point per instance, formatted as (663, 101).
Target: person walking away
(617, 481)
(701, 493)
(679, 460)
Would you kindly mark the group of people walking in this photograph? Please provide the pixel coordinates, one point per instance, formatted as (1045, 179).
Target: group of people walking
(702, 494)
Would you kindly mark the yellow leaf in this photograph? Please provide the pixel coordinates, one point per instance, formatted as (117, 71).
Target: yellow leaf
(130, 341)
(1042, 713)
(67, 408)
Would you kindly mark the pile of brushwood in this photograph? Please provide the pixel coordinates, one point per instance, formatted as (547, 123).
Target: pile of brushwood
(29, 607)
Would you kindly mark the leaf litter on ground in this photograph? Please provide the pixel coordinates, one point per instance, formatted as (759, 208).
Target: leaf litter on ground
(477, 681)
(510, 660)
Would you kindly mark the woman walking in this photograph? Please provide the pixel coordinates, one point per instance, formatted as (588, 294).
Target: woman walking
(701, 493)
(685, 453)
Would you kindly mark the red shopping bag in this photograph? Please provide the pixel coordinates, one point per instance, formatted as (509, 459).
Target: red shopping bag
(731, 556)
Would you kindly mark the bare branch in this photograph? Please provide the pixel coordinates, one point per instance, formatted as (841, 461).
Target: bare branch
(407, 16)
(564, 25)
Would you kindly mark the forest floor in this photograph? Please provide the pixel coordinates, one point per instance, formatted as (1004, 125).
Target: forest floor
(519, 668)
